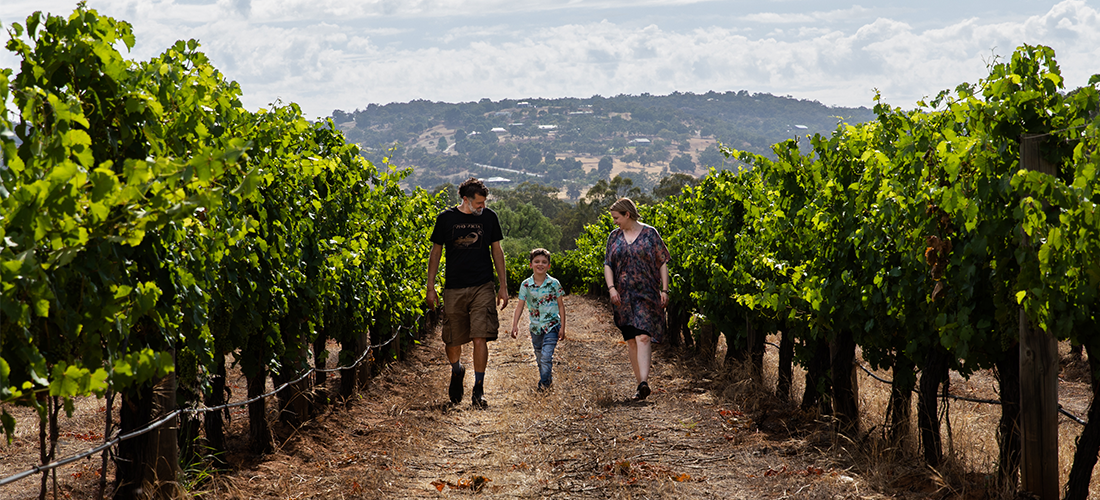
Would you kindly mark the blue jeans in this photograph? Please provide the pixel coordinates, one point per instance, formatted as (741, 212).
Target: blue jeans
(544, 355)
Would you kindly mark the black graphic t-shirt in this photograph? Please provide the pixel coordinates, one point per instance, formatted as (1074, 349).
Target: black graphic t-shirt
(467, 238)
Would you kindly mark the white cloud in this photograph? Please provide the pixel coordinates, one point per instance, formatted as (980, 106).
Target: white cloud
(475, 33)
(788, 18)
(832, 66)
(282, 10)
(319, 55)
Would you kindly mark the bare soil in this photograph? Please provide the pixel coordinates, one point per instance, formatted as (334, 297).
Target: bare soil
(705, 432)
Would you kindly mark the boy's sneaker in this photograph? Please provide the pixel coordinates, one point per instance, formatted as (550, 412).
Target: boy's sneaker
(455, 390)
(544, 387)
(476, 397)
(643, 391)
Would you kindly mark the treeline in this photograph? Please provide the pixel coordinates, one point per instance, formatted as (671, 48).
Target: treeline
(151, 227)
(532, 215)
(933, 240)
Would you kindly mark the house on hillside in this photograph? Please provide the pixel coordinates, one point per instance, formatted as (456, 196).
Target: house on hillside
(548, 127)
(524, 104)
(585, 109)
(499, 130)
(641, 141)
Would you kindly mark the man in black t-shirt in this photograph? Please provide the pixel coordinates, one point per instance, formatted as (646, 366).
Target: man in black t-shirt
(470, 234)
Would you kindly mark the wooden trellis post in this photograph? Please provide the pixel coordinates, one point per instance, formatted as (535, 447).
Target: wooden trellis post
(1038, 381)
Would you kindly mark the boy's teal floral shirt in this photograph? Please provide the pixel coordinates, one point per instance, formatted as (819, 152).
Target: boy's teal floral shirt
(542, 303)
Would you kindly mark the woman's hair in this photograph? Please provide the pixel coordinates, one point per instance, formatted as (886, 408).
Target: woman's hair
(539, 251)
(625, 206)
(472, 186)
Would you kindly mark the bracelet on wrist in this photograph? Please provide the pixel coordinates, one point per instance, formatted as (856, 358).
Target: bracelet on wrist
(612, 287)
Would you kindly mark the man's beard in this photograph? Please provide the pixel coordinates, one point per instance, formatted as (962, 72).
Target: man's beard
(478, 211)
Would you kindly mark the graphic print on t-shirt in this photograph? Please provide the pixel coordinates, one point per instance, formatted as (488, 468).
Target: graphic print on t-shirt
(467, 236)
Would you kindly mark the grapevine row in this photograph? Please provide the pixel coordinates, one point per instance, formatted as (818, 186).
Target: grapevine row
(919, 238)
(151, 226)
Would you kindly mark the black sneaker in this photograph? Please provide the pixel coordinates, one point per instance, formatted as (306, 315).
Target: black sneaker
(455, 390)
(476, 396)
(643, 391)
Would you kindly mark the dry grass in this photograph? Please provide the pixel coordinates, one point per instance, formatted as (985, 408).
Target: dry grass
(969, 429)
(708, 431)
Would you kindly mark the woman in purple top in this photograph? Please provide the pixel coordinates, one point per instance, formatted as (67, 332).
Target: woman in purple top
(635, 268)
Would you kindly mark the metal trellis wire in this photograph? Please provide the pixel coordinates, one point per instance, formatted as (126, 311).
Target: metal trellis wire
(195, 411)
(1061, 410)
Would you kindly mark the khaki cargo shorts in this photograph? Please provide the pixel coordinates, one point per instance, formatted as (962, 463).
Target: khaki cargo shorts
(469, 313)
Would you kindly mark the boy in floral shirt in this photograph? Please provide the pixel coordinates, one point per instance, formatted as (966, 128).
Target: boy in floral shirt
(543, 296)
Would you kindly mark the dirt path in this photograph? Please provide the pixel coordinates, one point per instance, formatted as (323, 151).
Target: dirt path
(704, 433)
(583, 439)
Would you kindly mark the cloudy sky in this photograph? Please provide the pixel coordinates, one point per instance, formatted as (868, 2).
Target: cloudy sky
(345, 54)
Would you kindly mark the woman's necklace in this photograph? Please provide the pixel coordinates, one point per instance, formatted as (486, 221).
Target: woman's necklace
(632, 234)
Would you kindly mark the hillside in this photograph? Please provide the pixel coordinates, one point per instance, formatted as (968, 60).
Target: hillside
(571, 143)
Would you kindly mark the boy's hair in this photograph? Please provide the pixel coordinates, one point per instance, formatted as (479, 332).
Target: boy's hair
(472, 186)
(539, 251)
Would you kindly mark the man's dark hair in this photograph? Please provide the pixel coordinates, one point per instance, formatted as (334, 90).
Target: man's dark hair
(471, 187)
(539, 251)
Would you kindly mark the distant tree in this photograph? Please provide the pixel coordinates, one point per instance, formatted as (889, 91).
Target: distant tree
(644, 182)
(571, 164)
(712, 157)
(455, 164)
(572, 222)
(604, 167)
(451, 192)
(643, 114)
(453, 117)
(529, 154)
(542, 197)
(417, 153)
(488, 137)
(525, 227)
(573, 191)
(442, 144)
(682, 163)
(479, 152)
(604, 193)
(673, 185)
